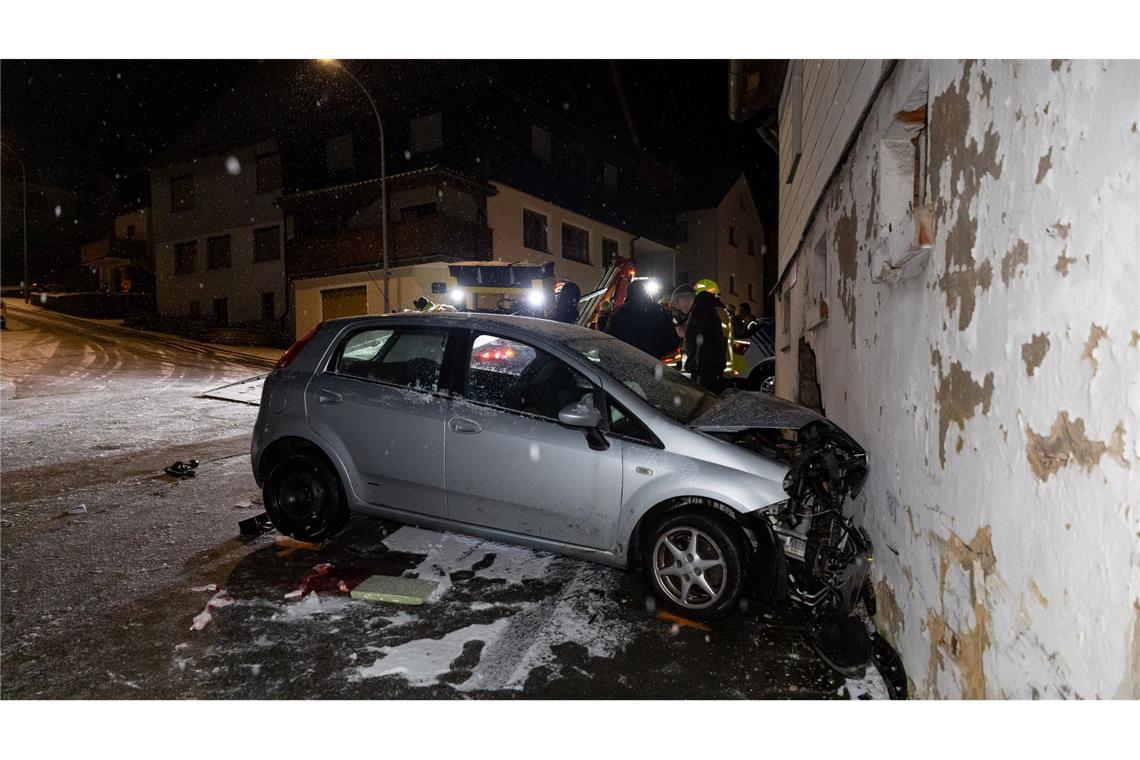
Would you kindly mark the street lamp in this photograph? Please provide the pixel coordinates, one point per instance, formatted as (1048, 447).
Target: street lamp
(334, 63)
(24, 215)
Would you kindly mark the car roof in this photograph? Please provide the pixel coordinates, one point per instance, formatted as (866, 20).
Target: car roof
(551, 330)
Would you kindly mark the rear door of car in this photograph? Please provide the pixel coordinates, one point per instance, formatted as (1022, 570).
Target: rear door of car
(379, 402)
(511, 465)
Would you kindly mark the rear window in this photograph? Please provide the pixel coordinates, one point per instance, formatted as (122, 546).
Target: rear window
(407, 358)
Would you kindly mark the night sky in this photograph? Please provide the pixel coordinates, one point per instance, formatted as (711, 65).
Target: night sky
(87, 130)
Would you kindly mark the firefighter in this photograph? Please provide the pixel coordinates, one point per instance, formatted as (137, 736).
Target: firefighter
(565, 308)
(705, 341)
(642, 323)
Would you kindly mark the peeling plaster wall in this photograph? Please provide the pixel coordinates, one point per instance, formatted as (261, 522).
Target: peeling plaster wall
(993, 376)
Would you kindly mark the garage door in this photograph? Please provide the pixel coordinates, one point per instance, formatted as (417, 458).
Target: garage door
(344, 302)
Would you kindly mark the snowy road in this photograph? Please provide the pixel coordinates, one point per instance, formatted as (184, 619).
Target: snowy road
(101, 603)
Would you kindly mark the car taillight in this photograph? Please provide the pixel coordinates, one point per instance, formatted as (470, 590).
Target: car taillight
(740, 346)
(288, 357)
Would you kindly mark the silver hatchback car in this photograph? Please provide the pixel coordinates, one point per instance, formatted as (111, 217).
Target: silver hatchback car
(563, 439)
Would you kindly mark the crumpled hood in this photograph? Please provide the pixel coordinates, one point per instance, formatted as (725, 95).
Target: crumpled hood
(741, 410)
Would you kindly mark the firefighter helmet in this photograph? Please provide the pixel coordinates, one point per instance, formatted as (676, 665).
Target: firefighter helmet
(709, 285)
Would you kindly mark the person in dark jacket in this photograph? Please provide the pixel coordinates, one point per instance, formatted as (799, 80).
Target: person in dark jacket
(642, 323)
(565, 307)
(705, 343)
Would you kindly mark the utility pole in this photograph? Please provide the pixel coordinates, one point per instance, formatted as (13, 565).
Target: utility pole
(24, 217)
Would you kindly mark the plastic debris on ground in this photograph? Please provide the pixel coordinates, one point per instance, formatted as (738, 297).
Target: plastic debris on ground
(203, 618)
(78, 509)
(255, 526)
(290, 545)
(389, 588)
(323, 578)
(680, 621)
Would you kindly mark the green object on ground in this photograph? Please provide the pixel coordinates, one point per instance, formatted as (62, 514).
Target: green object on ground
(390, 588)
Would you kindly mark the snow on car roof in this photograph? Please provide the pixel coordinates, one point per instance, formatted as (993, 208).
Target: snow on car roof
(558, 332)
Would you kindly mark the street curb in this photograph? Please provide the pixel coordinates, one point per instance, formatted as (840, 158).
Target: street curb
(161, 338)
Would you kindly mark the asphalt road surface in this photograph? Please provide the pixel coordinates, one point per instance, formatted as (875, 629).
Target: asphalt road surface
(118, 581)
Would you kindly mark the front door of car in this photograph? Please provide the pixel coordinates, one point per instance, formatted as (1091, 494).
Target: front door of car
(378, 404)
(512, 466)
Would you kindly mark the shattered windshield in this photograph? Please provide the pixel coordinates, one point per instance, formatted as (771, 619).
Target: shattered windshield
(659, 385)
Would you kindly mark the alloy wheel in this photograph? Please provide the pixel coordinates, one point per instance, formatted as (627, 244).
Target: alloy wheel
(689, 567)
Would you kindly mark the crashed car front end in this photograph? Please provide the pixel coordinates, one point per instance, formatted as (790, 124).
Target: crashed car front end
(807, 548)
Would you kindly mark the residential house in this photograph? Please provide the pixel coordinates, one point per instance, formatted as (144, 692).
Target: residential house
(218, 235)
(958, 288)
(476, 170)
(124, 262)
(720, 237)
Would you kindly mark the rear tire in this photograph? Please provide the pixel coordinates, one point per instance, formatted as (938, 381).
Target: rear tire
(695, 563)
(304, 499)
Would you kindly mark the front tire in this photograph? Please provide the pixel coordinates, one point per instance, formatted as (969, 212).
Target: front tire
(695, 563)
(304, 499)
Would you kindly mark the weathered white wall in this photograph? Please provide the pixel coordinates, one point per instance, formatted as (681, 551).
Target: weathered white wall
(993, 379)
(833, 96)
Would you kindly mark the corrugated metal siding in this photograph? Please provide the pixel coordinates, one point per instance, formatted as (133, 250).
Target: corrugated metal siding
(835, 94)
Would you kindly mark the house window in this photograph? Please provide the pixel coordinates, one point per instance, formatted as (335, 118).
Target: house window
(575, 244)
(817, 280)
(267, 244)
(750, 296)
(740, 200)
(611, 177)
(609, 251)
(419, 211)
(338, 154)
(540, 144)
(185, 257)
(130, 232)
(182, 193)
(732, 284)
(578, 159)
(426, 133)
(920, 167)
(751, 246)
(535, 231)
(731, 235)
(268, 172)
(218, 252)
(795, 101)
(268, 306)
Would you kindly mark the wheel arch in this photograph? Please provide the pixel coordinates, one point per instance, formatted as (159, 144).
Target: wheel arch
(291, 444)
(657, 512)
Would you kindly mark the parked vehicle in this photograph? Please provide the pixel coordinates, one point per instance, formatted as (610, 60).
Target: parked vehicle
(565, 439)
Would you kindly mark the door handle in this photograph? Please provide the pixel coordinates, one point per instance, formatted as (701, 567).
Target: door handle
(328, 397)
(460, 425)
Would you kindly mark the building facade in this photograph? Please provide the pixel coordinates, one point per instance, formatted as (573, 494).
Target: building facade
(218, 236)
(124, 262)
(476, 170)
(958, 286)
(720, 237)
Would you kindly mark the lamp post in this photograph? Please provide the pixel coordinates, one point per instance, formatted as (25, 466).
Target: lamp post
(24, 217)
(383, 172)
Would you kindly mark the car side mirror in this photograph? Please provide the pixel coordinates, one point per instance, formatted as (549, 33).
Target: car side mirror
(580, 415)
